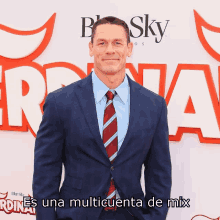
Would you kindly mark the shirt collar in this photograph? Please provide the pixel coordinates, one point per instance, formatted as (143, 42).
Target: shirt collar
(100, 89)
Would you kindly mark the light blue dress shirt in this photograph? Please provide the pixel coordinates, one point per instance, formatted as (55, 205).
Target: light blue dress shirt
(121, 104)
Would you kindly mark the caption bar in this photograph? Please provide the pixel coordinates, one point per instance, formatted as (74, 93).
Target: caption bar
(98, 202)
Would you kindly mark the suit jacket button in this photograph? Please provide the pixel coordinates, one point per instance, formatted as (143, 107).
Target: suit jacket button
(112, 168)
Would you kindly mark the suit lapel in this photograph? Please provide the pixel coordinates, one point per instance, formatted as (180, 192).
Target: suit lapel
(87, 101)
(133, 118)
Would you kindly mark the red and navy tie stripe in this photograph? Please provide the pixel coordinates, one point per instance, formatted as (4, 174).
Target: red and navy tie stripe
(110, 140)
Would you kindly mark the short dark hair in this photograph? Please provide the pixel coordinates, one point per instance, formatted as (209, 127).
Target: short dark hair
(111, 20)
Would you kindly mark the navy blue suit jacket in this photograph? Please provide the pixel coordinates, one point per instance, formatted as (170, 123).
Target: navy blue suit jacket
(69, 135)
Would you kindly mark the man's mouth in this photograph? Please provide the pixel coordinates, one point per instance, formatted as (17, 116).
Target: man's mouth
(110, 59)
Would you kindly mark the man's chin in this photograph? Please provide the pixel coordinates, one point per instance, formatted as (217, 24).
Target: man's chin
(110, 71)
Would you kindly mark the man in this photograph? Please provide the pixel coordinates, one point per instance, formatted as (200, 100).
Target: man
(103, 128)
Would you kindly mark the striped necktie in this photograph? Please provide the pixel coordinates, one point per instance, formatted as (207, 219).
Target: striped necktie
(110, 140)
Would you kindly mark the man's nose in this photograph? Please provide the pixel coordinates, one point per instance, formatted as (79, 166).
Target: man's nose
(110, 49)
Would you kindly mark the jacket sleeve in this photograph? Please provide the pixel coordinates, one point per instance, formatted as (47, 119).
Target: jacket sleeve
(48, 159)
(158, 169)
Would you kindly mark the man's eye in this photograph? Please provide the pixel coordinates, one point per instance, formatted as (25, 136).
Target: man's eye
(117, 42)
(102, 43)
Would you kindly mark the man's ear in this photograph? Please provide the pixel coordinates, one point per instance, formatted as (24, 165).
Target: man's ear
(130, 49)
(90, 49)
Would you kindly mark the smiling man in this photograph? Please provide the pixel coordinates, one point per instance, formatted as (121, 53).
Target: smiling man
(103, 128)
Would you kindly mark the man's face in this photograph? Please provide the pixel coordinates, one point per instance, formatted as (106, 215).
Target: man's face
(110, 48)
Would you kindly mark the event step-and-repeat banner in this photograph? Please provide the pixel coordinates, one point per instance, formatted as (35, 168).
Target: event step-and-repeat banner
(44, 46)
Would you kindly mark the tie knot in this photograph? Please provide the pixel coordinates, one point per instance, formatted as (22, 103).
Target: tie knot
(110, 95)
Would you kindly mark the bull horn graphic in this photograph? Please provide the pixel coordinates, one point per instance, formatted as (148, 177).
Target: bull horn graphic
(3, 195)
(209, 36)
(17, 45)
(203, 217)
